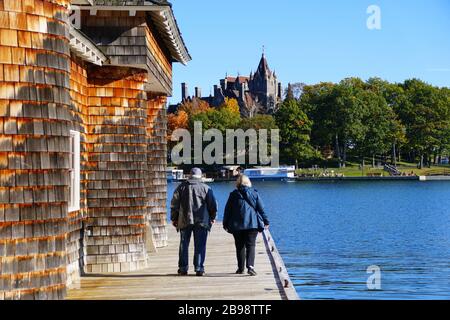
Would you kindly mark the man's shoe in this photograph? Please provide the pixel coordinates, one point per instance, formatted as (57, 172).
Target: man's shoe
(200, 273)
(239, 271)
(252, 272)
(182, 273)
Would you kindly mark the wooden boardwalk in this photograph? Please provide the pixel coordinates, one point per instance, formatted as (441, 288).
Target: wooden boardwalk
(159, 281)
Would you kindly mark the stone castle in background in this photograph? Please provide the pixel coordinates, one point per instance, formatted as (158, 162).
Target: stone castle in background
(259, 93)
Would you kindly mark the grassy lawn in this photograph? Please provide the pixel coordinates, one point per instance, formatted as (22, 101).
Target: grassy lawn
(354, 170)
(434, 170)
(348, 171)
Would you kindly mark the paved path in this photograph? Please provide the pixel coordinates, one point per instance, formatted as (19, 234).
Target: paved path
(160, 281)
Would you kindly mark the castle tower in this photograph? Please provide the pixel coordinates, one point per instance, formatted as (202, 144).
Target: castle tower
(264, 84)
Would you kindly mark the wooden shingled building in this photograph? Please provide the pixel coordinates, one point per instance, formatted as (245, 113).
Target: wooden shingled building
(83, 87)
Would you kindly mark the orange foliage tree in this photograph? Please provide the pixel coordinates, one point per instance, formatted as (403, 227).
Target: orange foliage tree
(231, 105)
(179, 120)
(194, 107)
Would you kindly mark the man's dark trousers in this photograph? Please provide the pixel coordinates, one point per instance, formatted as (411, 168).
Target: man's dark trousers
(200, 238)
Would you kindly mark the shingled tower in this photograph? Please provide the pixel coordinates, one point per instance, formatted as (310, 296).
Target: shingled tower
(83, 90)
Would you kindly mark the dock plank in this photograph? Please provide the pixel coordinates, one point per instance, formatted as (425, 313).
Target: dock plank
(160, 282)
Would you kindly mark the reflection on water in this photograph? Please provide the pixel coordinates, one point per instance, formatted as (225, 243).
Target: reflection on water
(330, 233)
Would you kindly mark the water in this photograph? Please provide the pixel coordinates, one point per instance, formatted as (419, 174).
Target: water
(330, 233)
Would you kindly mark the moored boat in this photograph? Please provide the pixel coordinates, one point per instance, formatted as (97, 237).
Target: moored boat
(175, 175)
(269, 173)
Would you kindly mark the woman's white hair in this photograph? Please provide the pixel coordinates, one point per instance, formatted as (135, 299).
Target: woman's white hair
(243, 181)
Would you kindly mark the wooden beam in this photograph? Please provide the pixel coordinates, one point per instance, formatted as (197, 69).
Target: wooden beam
(131, 9)
(85, 48)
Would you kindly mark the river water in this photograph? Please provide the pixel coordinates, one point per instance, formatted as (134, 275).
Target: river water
(330, 233)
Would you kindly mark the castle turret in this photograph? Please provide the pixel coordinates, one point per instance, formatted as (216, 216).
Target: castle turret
(224, 83)
(198, 92)
(243, 88)
(184, 91)
(280, 91)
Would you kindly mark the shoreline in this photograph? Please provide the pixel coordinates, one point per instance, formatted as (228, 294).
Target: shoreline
(331, 179)
(407, 178)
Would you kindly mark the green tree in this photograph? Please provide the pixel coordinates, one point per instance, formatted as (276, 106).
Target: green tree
(221, 119)
(295, 131)
(259, 121)
(445, 134)
(338, 112)
(349, 112)
(317, 101)
(382, 129)
(425, 114)
(395, 97)
(343, 117)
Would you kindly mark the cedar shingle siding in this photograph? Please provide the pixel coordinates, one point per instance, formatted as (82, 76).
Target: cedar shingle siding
(45, 92)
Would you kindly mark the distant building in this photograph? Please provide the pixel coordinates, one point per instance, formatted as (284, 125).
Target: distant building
(259, 93)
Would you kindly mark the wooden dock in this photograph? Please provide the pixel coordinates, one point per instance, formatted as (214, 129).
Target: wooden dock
(160, 281)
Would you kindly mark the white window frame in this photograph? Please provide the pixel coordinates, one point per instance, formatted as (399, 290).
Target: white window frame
(74, 171)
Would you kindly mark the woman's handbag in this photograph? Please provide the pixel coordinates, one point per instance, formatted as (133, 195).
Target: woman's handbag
(261, 225)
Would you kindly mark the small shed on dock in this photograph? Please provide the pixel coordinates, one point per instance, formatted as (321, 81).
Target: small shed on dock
(230, 172)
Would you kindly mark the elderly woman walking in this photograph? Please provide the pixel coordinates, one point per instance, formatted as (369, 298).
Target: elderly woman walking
(244, 218)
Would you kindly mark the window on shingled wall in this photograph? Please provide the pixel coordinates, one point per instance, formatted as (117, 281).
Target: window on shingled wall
(74, 171)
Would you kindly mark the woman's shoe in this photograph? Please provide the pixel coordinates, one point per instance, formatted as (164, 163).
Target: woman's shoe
(252, 272)
(239, 271)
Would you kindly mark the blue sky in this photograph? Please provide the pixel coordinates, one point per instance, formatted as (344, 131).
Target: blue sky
(313, 41)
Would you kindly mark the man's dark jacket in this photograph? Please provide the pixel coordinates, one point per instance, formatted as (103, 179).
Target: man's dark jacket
(193, 203)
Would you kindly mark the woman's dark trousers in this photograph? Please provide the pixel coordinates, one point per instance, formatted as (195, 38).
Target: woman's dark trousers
(245, 242)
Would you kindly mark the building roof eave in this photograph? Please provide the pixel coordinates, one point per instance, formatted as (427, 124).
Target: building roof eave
(162, 15)
(84, 48)
(183, 55)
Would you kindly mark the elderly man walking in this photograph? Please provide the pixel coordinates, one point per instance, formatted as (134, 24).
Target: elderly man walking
(193, 210)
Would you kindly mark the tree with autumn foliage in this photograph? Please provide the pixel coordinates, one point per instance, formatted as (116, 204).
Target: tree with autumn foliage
(231, 105)
(222, 119)
(179, 120)
(194, 106)
(188, 109)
